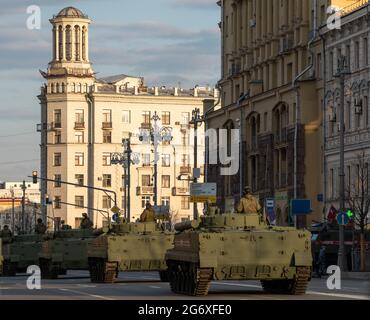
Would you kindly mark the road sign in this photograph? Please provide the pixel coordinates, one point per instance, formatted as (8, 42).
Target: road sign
(343, 218)
(320, 197)
(115, 209)
(203, 192)
(300, 206)
(270, 208)
(115, 217)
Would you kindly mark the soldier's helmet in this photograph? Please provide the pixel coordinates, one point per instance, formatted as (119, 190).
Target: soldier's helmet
(6, 227)
(84, 215)
(247, 189)
(39, 220)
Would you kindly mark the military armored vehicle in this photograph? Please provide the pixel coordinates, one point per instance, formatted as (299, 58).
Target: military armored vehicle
(129, 247)
(65, 250)
(238, 247)
(19, 252)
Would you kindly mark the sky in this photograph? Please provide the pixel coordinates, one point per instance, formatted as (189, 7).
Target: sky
(168, 42)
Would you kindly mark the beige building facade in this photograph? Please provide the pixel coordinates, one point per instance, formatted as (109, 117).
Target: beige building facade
(271, 91)
(83, 122)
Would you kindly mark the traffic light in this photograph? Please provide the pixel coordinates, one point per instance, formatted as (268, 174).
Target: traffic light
(349, 213)
(34, 177)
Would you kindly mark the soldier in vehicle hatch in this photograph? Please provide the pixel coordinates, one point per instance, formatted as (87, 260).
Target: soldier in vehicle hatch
(6, 235)
(40, 227)
(86, 223)
(248, 203)
(148, 214)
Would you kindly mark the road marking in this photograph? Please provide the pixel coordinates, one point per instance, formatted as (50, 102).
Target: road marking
(154, 287)
(87, 294)
(339, 295)
(86, 286)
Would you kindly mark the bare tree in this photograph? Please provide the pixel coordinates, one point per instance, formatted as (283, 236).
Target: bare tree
(358, 199)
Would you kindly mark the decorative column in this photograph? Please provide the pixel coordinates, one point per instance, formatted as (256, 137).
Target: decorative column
(63, 43)
(56, 44)
(258, 19)
(73, 46)
(80, 42)
(87, 44)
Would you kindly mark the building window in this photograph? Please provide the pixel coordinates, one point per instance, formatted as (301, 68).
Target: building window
(146, 117)
(79, 179)
(366, 52)
(107, 116)
(166, 160)
(79, 137)
(144, 201)
(318, 68)
(185, 203)
(185, 118)
(166, 181)
(107, 180)
(166, 118)
(79, 159)
(146, 159)
(106, 159)
(331, 64)
(57, 159)
(357, 55)
(145, 180)
(58, 118)
(290, 72)
(348, 56)
(107, 137)
(57, 178)
(79, 116)
(106, 202)
(79, 201)
(68, 43)
(58, 137)
(126, 116)
(57, 204)
(265, 121)
(165, 201)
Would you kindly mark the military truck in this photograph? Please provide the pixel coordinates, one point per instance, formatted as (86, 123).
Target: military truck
(20, 252)
(65, 250)
(238, 247)
(129, 247)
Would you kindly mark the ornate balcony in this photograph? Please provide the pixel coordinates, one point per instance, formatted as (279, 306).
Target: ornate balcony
(107, 125)
(79, 125)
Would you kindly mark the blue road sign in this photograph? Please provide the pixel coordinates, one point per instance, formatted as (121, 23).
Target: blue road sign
(115, 217)
(342, 218)
(300, 206)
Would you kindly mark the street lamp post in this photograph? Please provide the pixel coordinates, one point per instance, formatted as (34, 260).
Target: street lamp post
(195, 119)
(342, 72)
(157, 134)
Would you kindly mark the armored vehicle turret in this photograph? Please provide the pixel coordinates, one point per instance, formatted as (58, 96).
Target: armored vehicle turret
(65, 250)
(129, 247)
(21, 251)
(238, 247)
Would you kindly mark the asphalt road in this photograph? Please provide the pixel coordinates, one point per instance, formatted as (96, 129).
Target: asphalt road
(76, 285)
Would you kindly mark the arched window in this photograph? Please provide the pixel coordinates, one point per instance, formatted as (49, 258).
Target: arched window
(63, 87)
(60, 30)
(77, 43)
(68, 43)
(78, 87)
(59, 87)
(52, 88)
(84, 43)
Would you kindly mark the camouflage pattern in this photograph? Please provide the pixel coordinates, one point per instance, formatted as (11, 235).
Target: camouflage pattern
(86, 223)
(40, 228)
(129, 247)
(239, 247)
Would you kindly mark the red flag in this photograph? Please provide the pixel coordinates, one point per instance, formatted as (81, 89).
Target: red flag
(332, 214)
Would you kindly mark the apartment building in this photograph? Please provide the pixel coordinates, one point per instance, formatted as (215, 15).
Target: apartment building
(351, 41)
(84, 119)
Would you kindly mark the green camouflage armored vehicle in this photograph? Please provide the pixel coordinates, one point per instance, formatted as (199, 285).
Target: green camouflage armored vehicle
(238, 247)
(65, 250)
(21, 251)
(129, 247)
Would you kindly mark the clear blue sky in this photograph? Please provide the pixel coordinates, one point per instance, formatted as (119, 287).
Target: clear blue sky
(165, 41)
